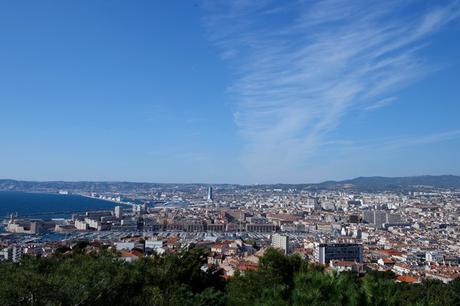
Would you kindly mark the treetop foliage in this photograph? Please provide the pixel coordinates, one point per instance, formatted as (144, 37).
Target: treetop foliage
(76, 278)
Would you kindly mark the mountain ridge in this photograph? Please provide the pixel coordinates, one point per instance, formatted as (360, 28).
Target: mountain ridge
(360, 183)
(382, 182)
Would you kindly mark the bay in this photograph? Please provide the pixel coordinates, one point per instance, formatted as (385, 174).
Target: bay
(46, 205)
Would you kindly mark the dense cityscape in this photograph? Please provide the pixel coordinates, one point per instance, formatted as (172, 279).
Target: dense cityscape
(412, 231)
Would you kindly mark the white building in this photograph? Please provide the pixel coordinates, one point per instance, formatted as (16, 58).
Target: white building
(125, 246)
(155, 246)
(118, 212)
(81, 225)
(280, 242)
(13, 253)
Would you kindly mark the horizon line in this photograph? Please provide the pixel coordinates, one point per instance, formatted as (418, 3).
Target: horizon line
(240, 184)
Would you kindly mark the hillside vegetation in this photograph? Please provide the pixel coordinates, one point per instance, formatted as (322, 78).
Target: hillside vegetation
(75, 278)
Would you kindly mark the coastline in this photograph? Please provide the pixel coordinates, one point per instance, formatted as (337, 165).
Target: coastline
(56, 206)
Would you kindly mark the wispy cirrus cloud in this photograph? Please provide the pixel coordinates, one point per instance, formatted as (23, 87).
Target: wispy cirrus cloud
(299, 68)
(381, 103)
(389, 144)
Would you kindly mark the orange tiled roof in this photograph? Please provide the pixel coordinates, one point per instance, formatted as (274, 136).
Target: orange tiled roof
(125, 253)
(244, 266)
(172, 239)
(133, 253)
(406, 279)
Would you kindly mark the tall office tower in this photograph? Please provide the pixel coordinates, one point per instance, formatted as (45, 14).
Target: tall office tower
(118, 212)
(325, 252)
(280, 242)
(210, 194)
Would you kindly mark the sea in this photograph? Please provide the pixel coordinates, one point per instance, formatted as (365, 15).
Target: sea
(47, 206)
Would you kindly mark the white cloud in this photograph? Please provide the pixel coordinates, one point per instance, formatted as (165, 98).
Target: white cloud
(388, 144)
(300, 68)
(381, 103)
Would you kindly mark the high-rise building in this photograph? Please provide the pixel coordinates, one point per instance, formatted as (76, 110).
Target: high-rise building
(280, 242)
(118, 212)
(210, 198)
(325, 252)
(13, 253)
(380, 217)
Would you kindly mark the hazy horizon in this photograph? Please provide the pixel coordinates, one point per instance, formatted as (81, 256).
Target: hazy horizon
(225, 183)
(243, 92)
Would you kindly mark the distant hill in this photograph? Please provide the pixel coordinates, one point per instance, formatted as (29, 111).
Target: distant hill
(54, 186)
(374, 183)
(391, 183)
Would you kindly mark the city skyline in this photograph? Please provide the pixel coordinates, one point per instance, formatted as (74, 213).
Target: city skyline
(228, 92)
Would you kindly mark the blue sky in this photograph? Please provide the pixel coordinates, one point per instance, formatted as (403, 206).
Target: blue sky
(228, 91)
